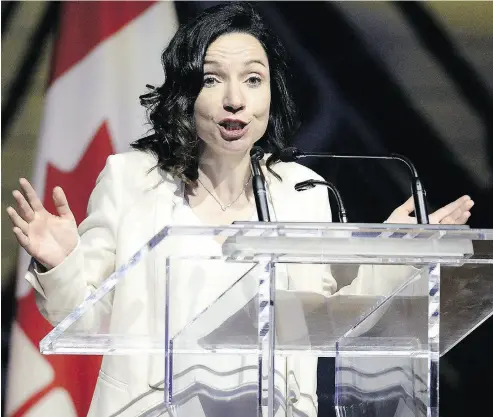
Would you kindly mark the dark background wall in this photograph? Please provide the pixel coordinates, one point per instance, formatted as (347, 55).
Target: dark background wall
(370, 77)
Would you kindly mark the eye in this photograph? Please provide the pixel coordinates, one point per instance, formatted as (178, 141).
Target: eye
(254, 81)
(210, 81)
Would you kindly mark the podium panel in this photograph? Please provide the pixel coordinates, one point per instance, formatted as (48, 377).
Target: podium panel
(239, 325)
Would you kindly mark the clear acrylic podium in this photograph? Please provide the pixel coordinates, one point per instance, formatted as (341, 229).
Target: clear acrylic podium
(236, 326)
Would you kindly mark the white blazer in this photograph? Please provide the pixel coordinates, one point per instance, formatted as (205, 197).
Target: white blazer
(130, 203)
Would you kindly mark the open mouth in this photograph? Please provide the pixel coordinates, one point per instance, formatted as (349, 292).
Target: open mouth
(230, 125)
(232, 129)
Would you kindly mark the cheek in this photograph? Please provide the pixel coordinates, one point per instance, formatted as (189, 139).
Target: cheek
(266, 97)
(202, 113)
(264, 106)
(200, 108)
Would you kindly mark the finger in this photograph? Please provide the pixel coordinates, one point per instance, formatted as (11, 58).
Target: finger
(468, 205)
(31, 195)
(452, 217)
(23, 207)
(408, 206)
(445, 211)
(464, 218)
(17, 220)
(61, 203)
(457, 216)
(460, 219)
(21, 237)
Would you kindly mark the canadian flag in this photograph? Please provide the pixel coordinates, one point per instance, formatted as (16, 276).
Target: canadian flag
(105, 54)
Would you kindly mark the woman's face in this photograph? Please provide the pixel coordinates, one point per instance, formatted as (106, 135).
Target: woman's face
(232, 109)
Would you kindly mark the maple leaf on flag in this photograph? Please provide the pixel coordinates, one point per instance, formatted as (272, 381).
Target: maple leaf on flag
(103, 55)
(78, 185)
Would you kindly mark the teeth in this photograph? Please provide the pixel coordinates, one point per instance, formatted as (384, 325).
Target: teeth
(233, 125)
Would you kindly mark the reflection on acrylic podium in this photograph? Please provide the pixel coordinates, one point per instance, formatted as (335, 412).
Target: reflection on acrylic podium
(237, 327)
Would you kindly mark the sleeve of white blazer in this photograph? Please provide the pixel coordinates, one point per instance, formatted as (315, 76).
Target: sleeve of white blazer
(64, 287)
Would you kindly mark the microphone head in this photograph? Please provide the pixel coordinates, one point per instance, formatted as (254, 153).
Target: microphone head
(257, 153)
(304, 185)
(290, 154)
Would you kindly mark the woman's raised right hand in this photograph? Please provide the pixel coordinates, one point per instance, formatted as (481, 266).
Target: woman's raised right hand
(46, 237)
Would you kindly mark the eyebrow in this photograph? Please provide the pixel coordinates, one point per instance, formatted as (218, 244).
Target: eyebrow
(249, 62)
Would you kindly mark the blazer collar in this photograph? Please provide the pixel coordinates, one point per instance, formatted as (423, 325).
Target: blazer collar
(171, 190)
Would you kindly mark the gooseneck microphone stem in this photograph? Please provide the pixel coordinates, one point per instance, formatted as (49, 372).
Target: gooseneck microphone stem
(418, 192)
(258, 184)
(304, 185)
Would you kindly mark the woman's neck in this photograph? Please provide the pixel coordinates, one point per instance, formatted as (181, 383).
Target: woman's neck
(225, 175)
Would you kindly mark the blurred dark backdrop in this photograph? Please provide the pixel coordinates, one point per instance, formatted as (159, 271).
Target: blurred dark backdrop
(370, 77)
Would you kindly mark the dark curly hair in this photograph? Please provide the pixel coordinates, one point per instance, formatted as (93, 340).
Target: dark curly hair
(170, 106)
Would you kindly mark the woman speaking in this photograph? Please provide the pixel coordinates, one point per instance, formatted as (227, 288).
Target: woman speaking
(225, 90)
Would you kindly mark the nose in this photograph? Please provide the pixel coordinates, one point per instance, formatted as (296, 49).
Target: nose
(234, 100)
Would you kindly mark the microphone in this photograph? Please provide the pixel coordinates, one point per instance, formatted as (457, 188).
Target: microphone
(420, 204)
(258, 184)
(305, 185)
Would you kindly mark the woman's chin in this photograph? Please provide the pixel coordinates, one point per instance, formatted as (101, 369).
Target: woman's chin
(231, 147)
(240, 145)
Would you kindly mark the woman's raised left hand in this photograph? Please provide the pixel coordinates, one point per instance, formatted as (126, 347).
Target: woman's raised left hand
(456, 212)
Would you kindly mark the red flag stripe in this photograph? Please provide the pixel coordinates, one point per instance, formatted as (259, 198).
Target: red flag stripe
(76, 374)
(29, 404)
(83, 25)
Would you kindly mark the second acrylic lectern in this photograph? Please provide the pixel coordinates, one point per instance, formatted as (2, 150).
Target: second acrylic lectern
(235, 321)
